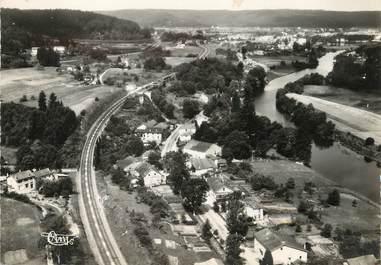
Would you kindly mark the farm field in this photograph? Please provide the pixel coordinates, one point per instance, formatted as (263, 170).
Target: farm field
(369, 101)
(347, 119)
(29, 81)
(20, 231)
(275, 60)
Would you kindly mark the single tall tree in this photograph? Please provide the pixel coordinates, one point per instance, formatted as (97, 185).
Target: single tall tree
(206, 232)
(233, 250)
(42, 101)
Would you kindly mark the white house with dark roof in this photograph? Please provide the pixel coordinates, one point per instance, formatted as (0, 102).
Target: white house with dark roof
(151, 131)
(200, 149)
(284, 249)
(22, 182)
(149, 174)
(218, 190)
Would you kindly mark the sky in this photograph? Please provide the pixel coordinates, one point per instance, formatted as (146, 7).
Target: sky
(93, 5)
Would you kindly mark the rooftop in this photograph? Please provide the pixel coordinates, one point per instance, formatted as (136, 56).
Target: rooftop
(215, 184)
(198, 146)
(272, 241)
(363, 260)
(144, 168)
(43, 173)
(202, 163)
(23, 175)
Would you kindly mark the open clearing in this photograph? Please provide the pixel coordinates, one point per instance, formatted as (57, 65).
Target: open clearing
(347, 119)
(29, 81)
(368, 100)
(20, 230)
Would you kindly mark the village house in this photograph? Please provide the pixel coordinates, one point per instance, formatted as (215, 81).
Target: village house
(254, 212)
(151, 131)
(218, 190)
(201, 166)
(22, 182)
(149, 174)
(284, 250)
(186, 131)
(200, 149)
(45, 174)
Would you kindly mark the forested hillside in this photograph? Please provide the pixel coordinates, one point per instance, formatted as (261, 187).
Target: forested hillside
(250, 18)
(23, 28)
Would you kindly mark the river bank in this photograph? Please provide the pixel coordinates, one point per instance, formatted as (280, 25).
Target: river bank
(337, 162)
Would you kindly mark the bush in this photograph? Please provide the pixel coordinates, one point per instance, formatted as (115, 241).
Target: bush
(23, 99)
(17, 197)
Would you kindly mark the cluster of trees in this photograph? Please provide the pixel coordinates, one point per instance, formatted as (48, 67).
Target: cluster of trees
(228, 53)
(234, 124)
(312, 124)
(98, 54)
(358, 71)
(46, 56)
(181, 36)
(190, 108)
(156, 63)
(40, 132)
(193, 191)
(352, 246)
(313, 54)
(62, 187)
(117, 143)
(210, 76)
(158, 96)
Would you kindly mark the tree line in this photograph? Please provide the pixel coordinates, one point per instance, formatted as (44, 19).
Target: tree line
(39, 133)
(360, 70)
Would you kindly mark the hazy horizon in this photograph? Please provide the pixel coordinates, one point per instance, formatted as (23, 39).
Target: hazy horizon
(199, 5)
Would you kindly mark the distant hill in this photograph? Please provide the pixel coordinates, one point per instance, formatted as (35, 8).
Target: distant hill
(250, 18)
(20, 28)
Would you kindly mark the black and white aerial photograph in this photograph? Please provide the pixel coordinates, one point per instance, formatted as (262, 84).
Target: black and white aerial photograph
(190, 132)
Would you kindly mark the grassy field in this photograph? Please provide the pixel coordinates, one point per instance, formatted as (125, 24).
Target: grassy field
(368, 100)
(29, 81)
(275, 60)
(20, 229)
(347, 119)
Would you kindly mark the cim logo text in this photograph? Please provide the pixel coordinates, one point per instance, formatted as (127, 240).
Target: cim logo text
(55, 239)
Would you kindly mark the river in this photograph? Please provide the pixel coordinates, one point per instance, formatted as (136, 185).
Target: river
(337, 162)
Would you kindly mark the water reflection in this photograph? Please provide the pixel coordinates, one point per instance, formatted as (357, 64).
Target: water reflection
(336, 162)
